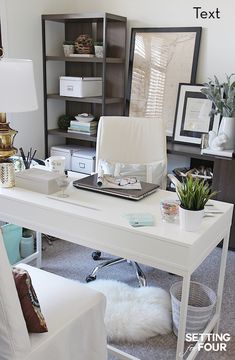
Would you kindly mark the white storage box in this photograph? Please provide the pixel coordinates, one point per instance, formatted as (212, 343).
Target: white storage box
(83, 160)
(42, 181)
(80, 86)
(66, 151)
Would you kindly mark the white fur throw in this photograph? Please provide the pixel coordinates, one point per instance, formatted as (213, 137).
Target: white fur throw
(134, 314)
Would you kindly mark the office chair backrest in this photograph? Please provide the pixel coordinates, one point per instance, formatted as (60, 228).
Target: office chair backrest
(14, 338)
(132, 140)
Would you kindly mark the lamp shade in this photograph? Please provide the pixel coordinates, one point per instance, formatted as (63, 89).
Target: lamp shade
(17, 86)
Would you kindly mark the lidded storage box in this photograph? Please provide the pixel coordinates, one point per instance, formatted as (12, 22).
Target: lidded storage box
(66, 151)
(83, 160)
(80, 86)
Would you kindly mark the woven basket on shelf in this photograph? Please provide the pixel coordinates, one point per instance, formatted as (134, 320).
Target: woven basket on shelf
(201, 302)
(84, 45)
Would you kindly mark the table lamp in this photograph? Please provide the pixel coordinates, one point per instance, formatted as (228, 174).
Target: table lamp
(17, 94)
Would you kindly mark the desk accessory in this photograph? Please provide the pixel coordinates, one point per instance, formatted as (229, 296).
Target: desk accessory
(62, 183)
(169, 210)
(29, 158)
(39, 180)
(141, 219)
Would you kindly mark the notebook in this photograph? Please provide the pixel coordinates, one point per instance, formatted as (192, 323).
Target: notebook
(90, 183)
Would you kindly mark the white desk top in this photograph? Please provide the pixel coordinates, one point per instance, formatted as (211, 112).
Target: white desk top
(97, 221)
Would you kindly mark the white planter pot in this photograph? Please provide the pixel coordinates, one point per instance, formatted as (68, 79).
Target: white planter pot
(99, 51)
(68, 49)
(227, 127)
(190, 220)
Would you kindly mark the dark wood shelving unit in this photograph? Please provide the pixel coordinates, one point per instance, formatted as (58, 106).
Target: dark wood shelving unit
(108, 28)
(223, 174)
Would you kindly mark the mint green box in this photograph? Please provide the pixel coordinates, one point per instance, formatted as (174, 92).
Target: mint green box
(11, 236)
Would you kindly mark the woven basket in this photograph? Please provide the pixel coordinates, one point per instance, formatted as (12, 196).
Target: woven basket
(201, 302)
(84, 45)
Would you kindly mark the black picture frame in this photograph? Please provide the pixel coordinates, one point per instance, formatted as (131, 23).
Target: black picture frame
(192, 115)
(178, 49)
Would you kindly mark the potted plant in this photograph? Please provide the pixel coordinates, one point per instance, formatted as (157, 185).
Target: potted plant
(98, 46)
(68, 47)
(193, 194)
(222, 96)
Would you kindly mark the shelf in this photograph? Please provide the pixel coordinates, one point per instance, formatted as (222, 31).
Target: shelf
(92, 100)
(191, 150)
(109, 60)
(65, 134)
(83, 17)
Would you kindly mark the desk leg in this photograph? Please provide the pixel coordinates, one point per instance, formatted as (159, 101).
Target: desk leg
(221, 280)
(183, 316)
(39, 249)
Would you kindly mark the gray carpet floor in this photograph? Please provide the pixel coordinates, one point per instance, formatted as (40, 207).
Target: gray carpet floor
(75, 262)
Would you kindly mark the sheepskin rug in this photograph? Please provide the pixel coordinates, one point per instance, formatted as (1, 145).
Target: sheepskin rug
(134, 314)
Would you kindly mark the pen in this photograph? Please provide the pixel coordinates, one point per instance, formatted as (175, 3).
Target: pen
(23, 157)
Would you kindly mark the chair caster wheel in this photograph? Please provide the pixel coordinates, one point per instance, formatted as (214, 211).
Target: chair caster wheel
(96, 255)
(90, 278)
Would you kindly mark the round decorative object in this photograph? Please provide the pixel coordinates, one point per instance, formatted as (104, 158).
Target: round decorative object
(64, 121)
(7, 175)
(227, 127)
(84, 45)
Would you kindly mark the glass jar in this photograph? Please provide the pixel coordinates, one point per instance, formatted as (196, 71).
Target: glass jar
(169, 210)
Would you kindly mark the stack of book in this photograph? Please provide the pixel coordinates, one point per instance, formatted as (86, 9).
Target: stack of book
(79, 127)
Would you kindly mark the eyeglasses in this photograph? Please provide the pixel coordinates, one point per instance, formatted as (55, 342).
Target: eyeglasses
(123, 181)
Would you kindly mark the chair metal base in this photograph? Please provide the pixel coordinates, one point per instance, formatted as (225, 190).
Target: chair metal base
(96, 256)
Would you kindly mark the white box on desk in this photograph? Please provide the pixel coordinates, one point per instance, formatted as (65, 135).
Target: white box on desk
(83, 160)
(66, 151)
(42, 181)
(80, 86)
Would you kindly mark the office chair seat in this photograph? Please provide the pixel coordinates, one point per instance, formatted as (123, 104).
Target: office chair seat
(130, 144)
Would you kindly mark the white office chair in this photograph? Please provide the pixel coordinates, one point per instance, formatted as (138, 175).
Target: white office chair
(74, 315)
(130, 146)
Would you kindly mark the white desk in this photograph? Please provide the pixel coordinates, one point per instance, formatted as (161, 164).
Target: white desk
(97, 221)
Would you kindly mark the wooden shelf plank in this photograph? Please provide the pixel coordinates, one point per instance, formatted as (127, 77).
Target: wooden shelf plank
(109, 60)
(84, 17)
(91, 99)
(65, 134)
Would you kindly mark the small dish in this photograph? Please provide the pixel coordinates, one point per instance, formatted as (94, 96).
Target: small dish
(84, 117)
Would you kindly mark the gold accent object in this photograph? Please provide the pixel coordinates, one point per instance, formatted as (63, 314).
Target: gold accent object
(6, 138)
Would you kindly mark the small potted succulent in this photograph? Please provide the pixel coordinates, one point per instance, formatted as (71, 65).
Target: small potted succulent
(193, 194)
(68, 47)
(98, 46)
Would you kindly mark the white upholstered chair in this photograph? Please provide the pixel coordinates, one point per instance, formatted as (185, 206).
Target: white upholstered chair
(131, 146)
(74, 315)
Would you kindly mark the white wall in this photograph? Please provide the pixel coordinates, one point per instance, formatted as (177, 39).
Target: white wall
(22, 20)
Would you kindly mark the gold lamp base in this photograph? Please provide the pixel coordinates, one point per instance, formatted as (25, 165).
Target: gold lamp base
(7, 136)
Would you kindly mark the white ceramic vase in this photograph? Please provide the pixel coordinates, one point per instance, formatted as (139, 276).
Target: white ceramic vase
(227, 127)
(190, 220)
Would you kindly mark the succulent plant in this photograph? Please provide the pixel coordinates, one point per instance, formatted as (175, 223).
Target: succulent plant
(194, 193)
(222, 96)
(68, 42)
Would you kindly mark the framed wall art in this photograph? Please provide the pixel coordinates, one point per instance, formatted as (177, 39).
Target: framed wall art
(160, 59)
(192, 116)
